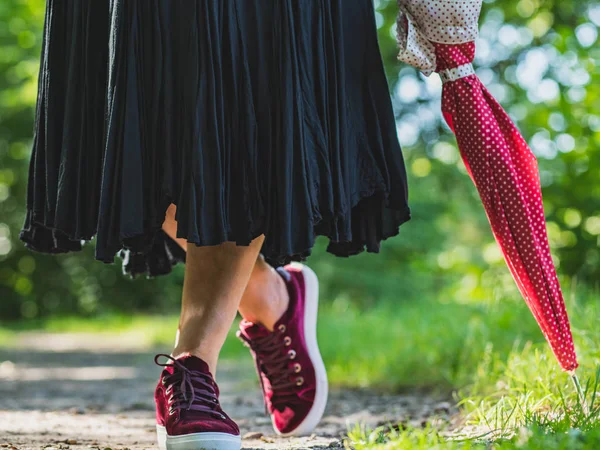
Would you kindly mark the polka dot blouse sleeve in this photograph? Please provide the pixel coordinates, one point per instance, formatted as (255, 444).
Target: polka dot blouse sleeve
(423, 22)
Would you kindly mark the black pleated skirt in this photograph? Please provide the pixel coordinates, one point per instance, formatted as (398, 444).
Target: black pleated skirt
(251, 116)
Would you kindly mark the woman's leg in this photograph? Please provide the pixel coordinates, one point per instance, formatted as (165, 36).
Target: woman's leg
(170, 226)
(265, 297)
(215, 279)
(266, 301)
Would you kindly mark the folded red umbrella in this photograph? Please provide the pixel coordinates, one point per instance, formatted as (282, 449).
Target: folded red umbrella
(438, 35)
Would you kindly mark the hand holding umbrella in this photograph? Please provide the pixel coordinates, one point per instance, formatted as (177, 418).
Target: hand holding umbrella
(438, 35)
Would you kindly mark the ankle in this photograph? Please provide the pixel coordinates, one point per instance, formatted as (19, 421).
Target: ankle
(190, 342)
(209, 358)
(266, 299)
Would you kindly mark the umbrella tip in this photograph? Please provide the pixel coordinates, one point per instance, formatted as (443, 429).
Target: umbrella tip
(580, 394)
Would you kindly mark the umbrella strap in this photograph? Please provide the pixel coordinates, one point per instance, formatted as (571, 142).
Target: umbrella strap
(456, 72)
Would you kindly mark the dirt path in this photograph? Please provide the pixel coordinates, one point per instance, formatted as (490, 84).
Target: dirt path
(75, 392)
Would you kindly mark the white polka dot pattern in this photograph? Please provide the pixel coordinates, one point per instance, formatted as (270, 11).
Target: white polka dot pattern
(415, 48)
(505, 173)
(438, 35)
(421, 22)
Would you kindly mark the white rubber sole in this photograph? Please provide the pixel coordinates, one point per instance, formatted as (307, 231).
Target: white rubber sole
(315, 414)
(197, 441)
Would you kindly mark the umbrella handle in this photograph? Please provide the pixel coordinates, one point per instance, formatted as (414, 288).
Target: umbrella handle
(582, 400)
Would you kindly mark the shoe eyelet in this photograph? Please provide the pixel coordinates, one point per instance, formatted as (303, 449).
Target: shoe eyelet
(282, 328)
(171, 411)
(168, 390)
(163, 380)
(299, 381)
(287, 341)
(297, 368)
(292, 354)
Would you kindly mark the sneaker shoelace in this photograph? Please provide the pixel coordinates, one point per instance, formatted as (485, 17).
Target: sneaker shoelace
(274, 364)
(189, 390)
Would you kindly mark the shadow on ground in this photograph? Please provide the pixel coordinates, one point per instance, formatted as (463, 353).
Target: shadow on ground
(76, 391)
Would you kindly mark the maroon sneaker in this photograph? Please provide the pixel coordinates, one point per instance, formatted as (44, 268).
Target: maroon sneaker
(188, 413)
(288, 362)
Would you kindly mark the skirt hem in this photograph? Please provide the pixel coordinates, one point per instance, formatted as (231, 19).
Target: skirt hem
(153, 253)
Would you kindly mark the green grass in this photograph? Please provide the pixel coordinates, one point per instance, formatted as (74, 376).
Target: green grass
(546, 425)
(532, 437)
(503, 375)
(491, 357)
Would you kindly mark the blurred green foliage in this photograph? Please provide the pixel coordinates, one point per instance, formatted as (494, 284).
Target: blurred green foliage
(540, 58)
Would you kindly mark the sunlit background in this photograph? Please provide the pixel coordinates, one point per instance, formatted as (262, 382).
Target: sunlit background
(436, 310)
